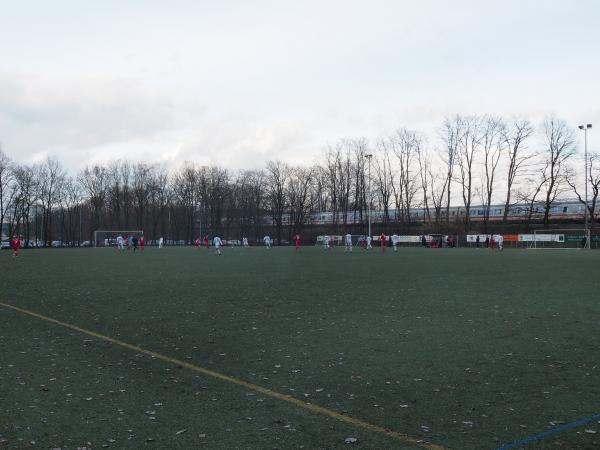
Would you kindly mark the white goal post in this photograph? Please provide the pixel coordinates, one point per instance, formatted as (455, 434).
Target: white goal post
(106, 238)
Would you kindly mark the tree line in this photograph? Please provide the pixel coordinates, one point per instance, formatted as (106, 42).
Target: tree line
(475, 160)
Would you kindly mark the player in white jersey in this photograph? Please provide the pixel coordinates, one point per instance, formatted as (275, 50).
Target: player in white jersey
(267, 241)
(120, 245)
(245, 242)
(500, 241)
(217, 242)
(395, 240)
(160, 242)
(325, 242)
(369, 238)
(348, 240)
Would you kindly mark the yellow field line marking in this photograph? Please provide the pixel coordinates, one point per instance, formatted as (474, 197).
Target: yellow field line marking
(405, 438)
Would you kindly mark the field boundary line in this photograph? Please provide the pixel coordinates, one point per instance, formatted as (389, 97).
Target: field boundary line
(402, 437)
(544, 434)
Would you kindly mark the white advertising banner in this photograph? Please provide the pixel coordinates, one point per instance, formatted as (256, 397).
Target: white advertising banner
(541, 238)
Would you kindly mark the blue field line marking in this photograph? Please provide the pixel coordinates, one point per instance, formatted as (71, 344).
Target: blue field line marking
(544, 434)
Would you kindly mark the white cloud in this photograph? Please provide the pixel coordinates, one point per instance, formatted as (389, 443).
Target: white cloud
(239, 83)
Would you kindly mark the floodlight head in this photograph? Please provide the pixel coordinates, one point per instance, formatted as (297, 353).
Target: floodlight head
(580, 127)
(589, 125)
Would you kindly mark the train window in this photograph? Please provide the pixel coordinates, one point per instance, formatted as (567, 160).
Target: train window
(565, 209)
(498, 211)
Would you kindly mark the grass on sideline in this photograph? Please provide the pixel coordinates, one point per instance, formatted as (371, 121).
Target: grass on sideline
(460, 347)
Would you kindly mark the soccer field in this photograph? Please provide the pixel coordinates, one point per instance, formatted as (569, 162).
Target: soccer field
(257, 348)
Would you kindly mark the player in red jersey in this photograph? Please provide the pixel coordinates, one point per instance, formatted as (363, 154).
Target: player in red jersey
(297, 241)
(206, 240)
(382, 241)
(142, 243)
(15, 244)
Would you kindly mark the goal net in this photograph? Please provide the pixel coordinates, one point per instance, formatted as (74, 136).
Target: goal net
(108, 238)
(557, 238)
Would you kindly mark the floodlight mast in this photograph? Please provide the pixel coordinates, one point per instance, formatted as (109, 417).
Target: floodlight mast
(369, 156)
(585, 179)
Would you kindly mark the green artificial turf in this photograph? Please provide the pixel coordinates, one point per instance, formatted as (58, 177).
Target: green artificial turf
(460, 347)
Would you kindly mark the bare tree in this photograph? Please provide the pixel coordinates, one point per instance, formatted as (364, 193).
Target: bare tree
(298, 194)
(258, 195)
(118, 194)
(515, 136)
(425, 179)
(407, 144)
(592, 177)
(216, 197)
(333, 165)
(143, 180)
(94, 181)
(7, 193)
(189, 190)
(320, 193)
(360, 149)
(384, 181)
(492, 145)
(437, 189)
(51, 176)
(560, 146)
(27, 190)
(277, 178)
(250, 188)
(530, 196)
(345, 181)
(451, 134)
(159, 199)
(71, 210)
(470, 138)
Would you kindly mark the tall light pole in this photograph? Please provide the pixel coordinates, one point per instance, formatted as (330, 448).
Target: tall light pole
(369, 156)
(80, 223)
(585, 129)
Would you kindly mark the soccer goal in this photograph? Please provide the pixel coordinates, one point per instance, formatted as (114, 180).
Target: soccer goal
(107, 238)
(337, 240)
(557, 238)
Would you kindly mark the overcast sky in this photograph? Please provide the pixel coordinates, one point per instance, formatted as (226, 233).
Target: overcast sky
(239, 83)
